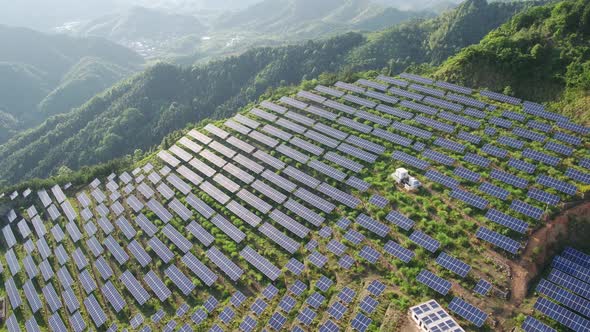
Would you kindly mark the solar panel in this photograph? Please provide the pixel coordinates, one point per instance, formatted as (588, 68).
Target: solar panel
(103, 268)
(572, 301)
(317, 259)
(410, 160)
(370, 254)
(425, 241)
(507, 221)
(372, 225)
(304, 212)
(531, 324)
(405, 255)
(508, 178)
(354, 236)
(160, 249)
(571, 268)
(576, 256)
(567, 138)
(578, 175)
(287, 303)
(526, 209)
(438, 157)
(434, 282)
(494, 190)
(494, 151)
(181, 281)
(482, 287)
(360, 322)
(232, 270)
(569, 282)
(315, 200)
(558, 185)
(497, 239)
(56, 323)
(261, 263)
(445, 180)
(562, 315)
(470, 198)
(408, 129)
(453, 264)
(157, 286)
(306, 316)
(468, 311)
(95, 311)
(113, 296)
(134, 287)
(543, 196)
(440, 126)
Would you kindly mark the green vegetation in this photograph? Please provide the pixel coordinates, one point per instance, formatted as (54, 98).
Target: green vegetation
(542, 54)
(43, 75)
(138, 113)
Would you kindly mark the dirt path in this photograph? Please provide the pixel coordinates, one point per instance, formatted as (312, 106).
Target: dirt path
(540, 249)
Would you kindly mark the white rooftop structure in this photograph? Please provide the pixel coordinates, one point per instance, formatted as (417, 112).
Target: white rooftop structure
(431, 317)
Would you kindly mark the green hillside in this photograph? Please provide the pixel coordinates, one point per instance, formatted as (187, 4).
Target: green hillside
(139, 112)
(542, 54)
(43, 75)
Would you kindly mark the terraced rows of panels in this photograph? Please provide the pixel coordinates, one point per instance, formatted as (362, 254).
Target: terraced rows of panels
(256, 222)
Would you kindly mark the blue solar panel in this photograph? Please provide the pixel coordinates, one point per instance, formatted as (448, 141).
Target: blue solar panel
(370, 254)
(400, 220)
(445, 180)
(482, 287)
(490, 131)
(475, 113)
(559, 148)
(470, 198)
(494, 151)
(441, 126)
(571, 268)
(467, 174)
(526, 209)
(569, 282)
(471, 138)
(540, 126)
(543, 196)
(372, 225)
(405, 255)
(438, 157)
(529, 134)
(540, 156)
(531, 324)
(453, 264)
(361, 322)
(468, 311)
(576, 256)
(410, 160)
(376, 287)
(497, 239)
(425, 241)
(408, 129)
(501, 122)
(562, 315)
(558, 185)
(477, 160)
(434, 282)
(508, 178)
(578, 175)
(522, 165)
(562, 296)
(507, 221)
(450, 145)
(493, 190)
(573, 127)
(474, 124)
(514, 116)
(511, 142)
(567, 138)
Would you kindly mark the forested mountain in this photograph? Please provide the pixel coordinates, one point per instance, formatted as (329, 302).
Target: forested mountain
(141, 111)
(43, 75)
(542, 54)
(300, 19)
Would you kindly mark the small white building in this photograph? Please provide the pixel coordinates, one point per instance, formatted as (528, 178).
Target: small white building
(431, 317)
(402, 177)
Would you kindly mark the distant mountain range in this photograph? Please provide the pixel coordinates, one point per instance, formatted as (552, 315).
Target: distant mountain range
(139, 112)
(43, 75)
